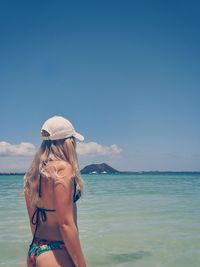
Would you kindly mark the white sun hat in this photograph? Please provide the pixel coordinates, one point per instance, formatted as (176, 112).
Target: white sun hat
(58, 127)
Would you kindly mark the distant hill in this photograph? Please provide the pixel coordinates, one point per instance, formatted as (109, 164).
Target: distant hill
(98, 168)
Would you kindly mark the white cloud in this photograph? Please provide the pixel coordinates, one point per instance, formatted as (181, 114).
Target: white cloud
(17, 157)
(22, 149)
(93, 148)
(26, 149)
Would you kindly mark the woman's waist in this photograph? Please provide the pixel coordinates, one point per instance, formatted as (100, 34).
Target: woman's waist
(49, 232)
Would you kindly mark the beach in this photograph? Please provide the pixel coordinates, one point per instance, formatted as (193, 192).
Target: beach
(125, 220)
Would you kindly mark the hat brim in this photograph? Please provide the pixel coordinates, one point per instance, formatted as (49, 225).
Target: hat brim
(79, 136)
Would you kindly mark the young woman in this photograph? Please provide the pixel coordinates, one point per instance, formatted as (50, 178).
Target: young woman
(52, 185)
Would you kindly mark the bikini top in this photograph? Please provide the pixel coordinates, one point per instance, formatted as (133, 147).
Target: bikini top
(40, 213)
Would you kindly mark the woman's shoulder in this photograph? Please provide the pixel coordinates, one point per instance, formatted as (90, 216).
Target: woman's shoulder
(64, 168)
(60, 169)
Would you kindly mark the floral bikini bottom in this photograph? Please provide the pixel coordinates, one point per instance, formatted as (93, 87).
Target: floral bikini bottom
(40, 246)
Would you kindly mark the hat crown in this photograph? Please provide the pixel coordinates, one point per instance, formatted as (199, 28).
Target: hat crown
(59, 127)
(58, 123)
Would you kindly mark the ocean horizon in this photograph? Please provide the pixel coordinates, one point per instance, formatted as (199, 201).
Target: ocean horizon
(125, 220)
(121, 172)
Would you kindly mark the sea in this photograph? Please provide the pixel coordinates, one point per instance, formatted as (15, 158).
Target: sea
(125, 220)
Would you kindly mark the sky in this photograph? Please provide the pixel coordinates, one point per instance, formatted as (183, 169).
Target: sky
(125, 73)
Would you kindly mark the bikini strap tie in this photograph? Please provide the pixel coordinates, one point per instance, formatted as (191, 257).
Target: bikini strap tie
(38, 216)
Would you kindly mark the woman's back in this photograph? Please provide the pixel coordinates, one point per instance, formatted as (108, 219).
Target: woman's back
(49, 229)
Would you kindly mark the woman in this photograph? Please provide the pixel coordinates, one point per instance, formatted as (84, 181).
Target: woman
(52, 186)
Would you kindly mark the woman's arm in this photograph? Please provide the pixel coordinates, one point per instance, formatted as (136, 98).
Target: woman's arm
(63, 198)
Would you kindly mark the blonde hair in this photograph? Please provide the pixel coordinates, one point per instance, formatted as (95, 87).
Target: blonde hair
(51, 150)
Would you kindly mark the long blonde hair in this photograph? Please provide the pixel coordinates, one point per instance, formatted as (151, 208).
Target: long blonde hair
(50, 150)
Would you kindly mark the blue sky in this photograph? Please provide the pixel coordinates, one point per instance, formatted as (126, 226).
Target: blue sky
(125, 73)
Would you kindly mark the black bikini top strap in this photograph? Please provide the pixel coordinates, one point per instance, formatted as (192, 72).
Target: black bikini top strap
(40, 179)
(40, 187)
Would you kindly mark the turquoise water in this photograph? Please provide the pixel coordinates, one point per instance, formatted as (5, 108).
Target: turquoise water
(140, 220)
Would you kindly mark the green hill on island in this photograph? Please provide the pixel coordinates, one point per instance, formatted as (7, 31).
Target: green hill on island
(102, 168)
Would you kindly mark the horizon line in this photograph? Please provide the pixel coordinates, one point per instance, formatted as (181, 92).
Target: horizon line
(120, 172)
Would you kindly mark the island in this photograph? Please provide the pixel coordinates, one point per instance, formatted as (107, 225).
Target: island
(101, 168)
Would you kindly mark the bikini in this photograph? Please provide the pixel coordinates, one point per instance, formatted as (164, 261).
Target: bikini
(38, 245)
